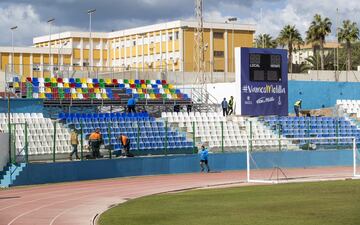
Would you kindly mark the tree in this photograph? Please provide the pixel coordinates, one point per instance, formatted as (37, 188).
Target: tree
(348, 34)
(265, 41)
(312, 62)
(317, 32)
(290, 36)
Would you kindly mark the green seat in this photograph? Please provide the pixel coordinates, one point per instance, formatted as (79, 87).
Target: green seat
(148, 81)
(165, 86)
(101, 81)
(138, 85)
(142, 96)
(85, 90)
(77, 80)
(102, 85)
(53, 85)
(172, 91)
(47, 80)
(126, 81)
(92, 96)
(164, 96)
(61, 90)
(151, 91)
(61, 95)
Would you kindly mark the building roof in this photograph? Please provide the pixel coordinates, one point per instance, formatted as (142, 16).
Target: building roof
(327, 45)
(146, 29)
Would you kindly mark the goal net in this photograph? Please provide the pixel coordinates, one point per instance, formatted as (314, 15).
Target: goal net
(301, 159)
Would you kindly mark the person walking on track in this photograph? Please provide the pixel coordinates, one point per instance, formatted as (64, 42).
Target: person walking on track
(204, 155)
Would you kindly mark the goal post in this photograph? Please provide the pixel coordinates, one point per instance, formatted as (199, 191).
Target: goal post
(277, 160)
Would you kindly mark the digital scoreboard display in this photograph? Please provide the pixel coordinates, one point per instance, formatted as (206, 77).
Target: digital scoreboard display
(265, 67)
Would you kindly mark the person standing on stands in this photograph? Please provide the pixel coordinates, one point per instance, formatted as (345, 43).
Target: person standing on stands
(224, 105)
(297, 107)
(131, 104)
(204, 156)
(95, 141)
(231, 105)
(74, 141)
(125, 142)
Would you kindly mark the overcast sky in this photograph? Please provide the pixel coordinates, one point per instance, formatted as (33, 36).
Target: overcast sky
(31, 15)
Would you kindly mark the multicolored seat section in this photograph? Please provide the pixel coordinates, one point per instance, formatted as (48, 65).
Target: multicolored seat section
(144, 132)
(92, 88)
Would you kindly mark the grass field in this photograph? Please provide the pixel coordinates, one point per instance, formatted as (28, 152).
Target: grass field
(330, 203)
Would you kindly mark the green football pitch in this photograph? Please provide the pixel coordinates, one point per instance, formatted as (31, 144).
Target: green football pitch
(330, 203)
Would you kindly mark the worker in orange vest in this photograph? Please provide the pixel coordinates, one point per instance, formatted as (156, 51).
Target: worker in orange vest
(125, 142)
(95, 141)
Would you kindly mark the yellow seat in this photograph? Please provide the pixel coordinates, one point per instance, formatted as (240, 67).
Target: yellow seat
(143, 86)
(74, 96)
(152, 96)
(97, 91)
(174, 96)
(23, 79)
(79, 90)
(42, 95)
(83, 80)
(66, 85)
(166, 91)
(53, 80)
(171, 86)
(139, 91)
(90, 85)
(104, 96)
(108, 81)
(131, 81)
(16, 85)
(48, 90)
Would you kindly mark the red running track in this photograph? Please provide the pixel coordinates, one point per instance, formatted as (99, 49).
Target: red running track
(79, 202)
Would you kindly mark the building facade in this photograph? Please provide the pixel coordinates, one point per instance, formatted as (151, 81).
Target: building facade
(160, 47)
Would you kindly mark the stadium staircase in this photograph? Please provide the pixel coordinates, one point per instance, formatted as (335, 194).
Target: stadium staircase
(203, 101)
(10, 173)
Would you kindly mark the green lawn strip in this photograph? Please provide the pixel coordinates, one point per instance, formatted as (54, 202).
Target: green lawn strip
(330, 203)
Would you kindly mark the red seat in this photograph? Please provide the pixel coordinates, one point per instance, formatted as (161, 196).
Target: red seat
(132, 86)
(91, 90)
(86, 96)
(114, 81)
(47, 84)
(28, 79)
(96, 86)
(72, 85)
(55, 96)
(59, 80)
(68, 96)
(158, 96)
(144, 91)
(180, 96)
(163, 82)
(54, 90)
(116, 96)
(142, 81)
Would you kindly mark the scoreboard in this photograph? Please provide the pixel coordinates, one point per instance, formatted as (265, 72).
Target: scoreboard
(261, 81)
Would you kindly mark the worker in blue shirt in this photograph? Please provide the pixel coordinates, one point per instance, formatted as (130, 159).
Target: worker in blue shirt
(204, 154)
(131, 105)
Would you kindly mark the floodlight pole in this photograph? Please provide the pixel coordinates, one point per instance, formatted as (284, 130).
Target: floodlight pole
(90, 12)
(50, 21)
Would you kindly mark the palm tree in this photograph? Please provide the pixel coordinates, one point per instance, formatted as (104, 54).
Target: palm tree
(265, 41)
(290, 36)
(348, 33)
(317, 32)
(312, 62)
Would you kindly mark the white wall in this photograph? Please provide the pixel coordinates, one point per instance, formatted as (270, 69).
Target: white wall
(4, 150)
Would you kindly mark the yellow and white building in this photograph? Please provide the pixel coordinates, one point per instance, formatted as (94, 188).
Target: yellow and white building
(160, 47)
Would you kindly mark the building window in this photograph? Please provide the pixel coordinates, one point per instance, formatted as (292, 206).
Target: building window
(134, 43)
(170, 37)
(219, 54)
(177, 35)
(219, 35)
